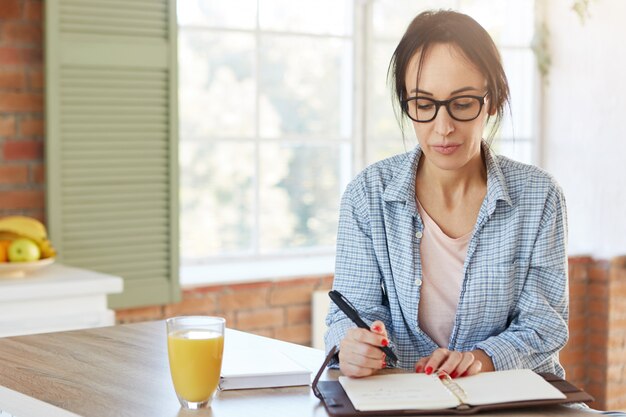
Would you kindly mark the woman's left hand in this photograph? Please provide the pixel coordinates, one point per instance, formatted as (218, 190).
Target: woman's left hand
(455, 364)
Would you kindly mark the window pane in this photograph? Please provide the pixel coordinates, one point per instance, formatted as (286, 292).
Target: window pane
(519, 65)
(299, 195)
(518, 149)
(510, 23)
(239, 14)
(392, 17)
(216, 195)
(305, 87)
(319, 16)
(383, 132)
(216, 84)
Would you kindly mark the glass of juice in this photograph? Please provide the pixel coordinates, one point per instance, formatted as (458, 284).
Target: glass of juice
(195, 345)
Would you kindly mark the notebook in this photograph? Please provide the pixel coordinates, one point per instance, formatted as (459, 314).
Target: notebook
(429, 392)
(265, 368)
(411, 394)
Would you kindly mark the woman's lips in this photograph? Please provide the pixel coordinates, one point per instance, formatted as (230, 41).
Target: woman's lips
(446, 149)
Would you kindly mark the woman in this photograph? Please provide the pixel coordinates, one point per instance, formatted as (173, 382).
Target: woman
(455, 256)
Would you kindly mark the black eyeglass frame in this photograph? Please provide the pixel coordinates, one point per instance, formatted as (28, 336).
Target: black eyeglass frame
(446, 104)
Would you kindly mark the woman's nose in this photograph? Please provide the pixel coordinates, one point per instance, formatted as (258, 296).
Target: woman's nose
(444, 124)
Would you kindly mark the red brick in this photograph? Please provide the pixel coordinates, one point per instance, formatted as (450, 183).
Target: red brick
(577, 289)
(36, 79)
(598, 359)
(22, 150)
(298, 281)
(616, 373)
(10, 55)
(299, 314)
(13, 174)
(21, 33)
(12, 80)
(192, 305)
(598, 307)
(7, 125)
(597, 339)
(597, 323)
(577, 340)
(38, 172)
(580, 259)
(572, 357)
(21, 199)
(327, 282)
(32, 127)
(11, 9)
(134, 315)
(598, 290)
(244, 300)
(250, 285)
(300, 294)
(260, 319)
(300, 333)
(33, 10)
(599, 271)
(206, 289)
(21, 102)
(619, 262)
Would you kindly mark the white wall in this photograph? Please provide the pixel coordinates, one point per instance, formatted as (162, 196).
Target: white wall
(585, 123)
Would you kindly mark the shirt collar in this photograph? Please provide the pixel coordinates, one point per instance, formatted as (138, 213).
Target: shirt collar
(402, 185)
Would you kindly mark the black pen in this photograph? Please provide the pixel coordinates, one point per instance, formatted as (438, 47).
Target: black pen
(346, 306)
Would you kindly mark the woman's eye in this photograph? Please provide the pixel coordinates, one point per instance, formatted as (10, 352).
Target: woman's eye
(425, 106)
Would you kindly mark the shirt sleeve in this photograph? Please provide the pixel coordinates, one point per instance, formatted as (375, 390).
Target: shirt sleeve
(538, 328)
(357, 275)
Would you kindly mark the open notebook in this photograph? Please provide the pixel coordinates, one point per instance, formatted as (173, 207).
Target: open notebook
(408, 394)
(429, 392)
(261, 368)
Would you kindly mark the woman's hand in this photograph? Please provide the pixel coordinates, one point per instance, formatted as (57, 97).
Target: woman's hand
(455, 364)
(359, 353)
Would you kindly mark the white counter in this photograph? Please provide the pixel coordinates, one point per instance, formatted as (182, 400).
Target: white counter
(56, 298)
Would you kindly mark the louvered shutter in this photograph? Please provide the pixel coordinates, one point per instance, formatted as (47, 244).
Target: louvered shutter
(111, 142)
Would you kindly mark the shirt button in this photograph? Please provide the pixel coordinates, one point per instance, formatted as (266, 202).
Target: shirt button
(418, 282)
(419, 235)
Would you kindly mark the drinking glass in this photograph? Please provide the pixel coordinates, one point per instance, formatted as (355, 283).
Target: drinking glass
(195, 346)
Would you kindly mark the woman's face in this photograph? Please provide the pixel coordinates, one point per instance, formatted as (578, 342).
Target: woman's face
(446, 73)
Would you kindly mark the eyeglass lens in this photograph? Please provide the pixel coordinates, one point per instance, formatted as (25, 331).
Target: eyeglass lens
(460, 108)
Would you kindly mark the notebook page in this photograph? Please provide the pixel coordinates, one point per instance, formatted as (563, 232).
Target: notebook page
(507, 386)
(397, 392)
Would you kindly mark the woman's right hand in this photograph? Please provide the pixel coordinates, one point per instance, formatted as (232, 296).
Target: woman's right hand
(359, 351)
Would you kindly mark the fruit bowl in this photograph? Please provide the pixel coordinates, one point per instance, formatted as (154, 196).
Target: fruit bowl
(21, 269)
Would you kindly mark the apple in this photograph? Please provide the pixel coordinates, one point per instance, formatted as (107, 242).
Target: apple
(23, 250)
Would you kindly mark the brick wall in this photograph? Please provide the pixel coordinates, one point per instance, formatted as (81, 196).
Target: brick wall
(595, 356)
(22, 181)
(278, 309)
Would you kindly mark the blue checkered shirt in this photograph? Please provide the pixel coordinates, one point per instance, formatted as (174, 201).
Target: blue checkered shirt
(514, 296)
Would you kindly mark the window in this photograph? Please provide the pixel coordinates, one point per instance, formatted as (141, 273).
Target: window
(282, 102)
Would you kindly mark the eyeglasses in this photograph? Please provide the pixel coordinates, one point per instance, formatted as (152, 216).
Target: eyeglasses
(461, 108)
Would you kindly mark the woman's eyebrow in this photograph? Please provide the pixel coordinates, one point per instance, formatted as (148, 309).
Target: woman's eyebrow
(460, 90)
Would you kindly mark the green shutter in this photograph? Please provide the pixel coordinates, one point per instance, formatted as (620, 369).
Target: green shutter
(112, 140)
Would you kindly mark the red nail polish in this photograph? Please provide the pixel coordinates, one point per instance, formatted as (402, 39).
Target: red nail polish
(464, 374)
(418, 369)
(442, 375)
(377, 328)
(385, 342)
(429, 370)
(454, 374)
(384, 365)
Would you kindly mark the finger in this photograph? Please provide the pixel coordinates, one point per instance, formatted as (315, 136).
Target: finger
(420, 364)
(354, 371)
(473, 369)
(467, 360)
(351, 356)
(378, 327)
(367, 337)
(436, 360)
(451, 362)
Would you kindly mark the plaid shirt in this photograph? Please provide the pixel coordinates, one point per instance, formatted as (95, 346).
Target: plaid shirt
(514, 296)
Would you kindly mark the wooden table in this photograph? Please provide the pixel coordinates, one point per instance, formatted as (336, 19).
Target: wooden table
(123, 371)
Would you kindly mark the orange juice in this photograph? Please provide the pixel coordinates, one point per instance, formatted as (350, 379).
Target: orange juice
(195, 362)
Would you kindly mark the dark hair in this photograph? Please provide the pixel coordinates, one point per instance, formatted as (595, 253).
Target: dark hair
(450, 27)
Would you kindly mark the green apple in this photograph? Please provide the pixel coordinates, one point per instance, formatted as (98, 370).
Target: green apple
(23, 250)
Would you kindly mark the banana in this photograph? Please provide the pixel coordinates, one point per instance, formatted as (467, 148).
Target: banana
(13, 227)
